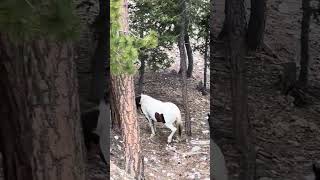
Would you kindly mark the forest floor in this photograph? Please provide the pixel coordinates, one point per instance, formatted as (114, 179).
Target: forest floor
(187, 159)
(287, 137)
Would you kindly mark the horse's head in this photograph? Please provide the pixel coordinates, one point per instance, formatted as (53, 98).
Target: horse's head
(138, 103)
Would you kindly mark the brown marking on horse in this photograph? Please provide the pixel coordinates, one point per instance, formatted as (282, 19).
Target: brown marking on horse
(159, 117)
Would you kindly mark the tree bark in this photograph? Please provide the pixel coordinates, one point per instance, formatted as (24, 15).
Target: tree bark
(184, 83)
(142, 67)
(115, 120)
(205, 63)
(123, 88)
(256, 24)
(40, 129)
(237, 49)
(188, 47)
(101, 53)
(124, 104)
(141, 75)
(224, 31)
(189, 53)
(218, 169)
(304, 40)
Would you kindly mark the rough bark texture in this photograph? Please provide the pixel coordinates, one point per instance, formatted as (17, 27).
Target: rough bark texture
(205, 64)
(101, 53)
(237, 49)
(40, 128)
(190, 55)
(181, 45)
(123, 92)
(101, 75)
(124, 103)
(304, 40)
(256, 24)
(115, 120)
(187, 44)
(224, 31)
(85, 50)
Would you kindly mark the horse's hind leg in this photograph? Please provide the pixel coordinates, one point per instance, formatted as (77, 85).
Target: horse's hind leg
(173, 130)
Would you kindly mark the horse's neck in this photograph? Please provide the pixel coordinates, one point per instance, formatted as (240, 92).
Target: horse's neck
(149, 99)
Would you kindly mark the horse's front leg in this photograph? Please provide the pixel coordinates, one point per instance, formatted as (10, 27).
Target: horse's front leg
(151, 124)
(154, 126)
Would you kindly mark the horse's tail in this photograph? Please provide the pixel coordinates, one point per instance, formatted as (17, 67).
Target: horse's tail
(179, 124)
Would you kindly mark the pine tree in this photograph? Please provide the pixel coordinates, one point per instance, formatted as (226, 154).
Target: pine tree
(124, 53)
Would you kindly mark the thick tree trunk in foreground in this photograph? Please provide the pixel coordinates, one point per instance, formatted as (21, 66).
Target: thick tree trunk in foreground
(101, 53)
(224, 30)
(304, 40)
(237, 49)
(184, 83)
(123, 88)
(256, 24)
(40, 131)
(218, 169)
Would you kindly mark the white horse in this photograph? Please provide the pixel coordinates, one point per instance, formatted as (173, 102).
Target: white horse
(165, 112)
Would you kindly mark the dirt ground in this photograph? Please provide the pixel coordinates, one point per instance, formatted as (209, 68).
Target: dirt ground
(188, 159)
(287, 137)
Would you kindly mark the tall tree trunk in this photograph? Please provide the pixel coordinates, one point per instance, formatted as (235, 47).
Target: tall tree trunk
(141, 75)
(256, 24)
(218, 169)
(142, 67)
(188, 46)
(205, 62)
(224, 31)
(123, 88)
(40, 118)
(189, 53)
(184, 83)
(237, 49)
(100, 56)
(115, 120)
(304, 40)
(124, 104)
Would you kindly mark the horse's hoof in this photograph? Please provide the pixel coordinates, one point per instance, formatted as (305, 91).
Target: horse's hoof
(151, 136)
